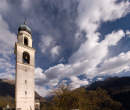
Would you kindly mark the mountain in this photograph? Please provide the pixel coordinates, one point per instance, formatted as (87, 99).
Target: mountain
(7, 88)
(118, 88)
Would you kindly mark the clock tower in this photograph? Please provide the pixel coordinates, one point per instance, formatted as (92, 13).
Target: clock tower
(25, 67)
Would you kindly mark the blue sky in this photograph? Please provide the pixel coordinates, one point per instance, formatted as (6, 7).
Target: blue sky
(76, 41)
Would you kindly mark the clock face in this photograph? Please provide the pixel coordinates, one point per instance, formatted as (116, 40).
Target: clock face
(26, 58)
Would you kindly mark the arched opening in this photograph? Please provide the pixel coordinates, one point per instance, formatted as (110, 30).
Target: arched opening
(25, 41)
(25, 92)
(26, 58)
(25, 81)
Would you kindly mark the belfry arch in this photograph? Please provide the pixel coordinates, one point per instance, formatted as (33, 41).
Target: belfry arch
(26, 58)
(26, 41)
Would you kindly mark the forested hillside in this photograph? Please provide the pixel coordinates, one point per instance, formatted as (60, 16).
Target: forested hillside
(118, 88)
(110, 94)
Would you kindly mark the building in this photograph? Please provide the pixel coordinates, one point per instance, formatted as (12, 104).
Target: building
(37, 104)
(25, 66)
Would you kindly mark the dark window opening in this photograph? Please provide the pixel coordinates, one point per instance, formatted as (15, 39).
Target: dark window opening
(25, 81)
(26, 58)
(25, 92)
(25, 41)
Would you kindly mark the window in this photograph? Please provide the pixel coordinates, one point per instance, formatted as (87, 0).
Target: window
(26, 41)
(25, 81)
(25, 92)
(26, 58)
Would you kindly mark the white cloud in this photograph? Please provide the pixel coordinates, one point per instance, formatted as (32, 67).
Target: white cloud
(92, 52)
(7, 39)
(4, 63)
(46, 43)
(55, 51)
(6, 69)
(7, 42)
(76, 82)
(84, 61)
(42, 91)
(53, 82)
(113, 38)
(116, 64)
(58, 71)
(7, 75)
(39, 75)
(48, 46)
(99, 79)
(88, 57)
(91, 13)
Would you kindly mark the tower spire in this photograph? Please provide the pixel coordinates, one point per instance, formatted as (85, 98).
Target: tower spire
(25, 21)
(24, 27)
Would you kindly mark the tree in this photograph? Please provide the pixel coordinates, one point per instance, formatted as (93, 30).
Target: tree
(7, 100)
(65, 99)
(99, 100)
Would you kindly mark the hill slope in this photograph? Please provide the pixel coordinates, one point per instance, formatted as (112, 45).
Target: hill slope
(7, 88)
(118, 88)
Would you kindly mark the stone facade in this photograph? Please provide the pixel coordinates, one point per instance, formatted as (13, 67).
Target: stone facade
(25, 67)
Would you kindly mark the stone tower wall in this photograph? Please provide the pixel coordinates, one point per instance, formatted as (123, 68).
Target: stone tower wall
(24, 90)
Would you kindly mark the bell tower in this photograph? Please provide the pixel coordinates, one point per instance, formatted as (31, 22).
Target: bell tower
(25, 66)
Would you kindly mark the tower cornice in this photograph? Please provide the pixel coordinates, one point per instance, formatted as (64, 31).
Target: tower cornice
(24, 32)
(30, 48)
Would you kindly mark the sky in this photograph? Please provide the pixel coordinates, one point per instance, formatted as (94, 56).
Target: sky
(76, 41)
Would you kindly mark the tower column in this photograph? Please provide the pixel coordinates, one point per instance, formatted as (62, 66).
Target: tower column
(25, 67)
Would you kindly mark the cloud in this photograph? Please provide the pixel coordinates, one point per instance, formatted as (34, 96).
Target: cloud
(57, 71)
(116, 64)
(42, 91)
(76, 82)
(88, 54)
(7, 42)
(3, 6)
(92, 13)
(49, 46)
(8, 76)
(113, 38)
(7, 39)
(55, 51)
(46, 43)
(53, 82)
(6, 69)
(4, 63)
(84, 61)
(128, 33)
(26, 4)
(92, 52)
(39, 74)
